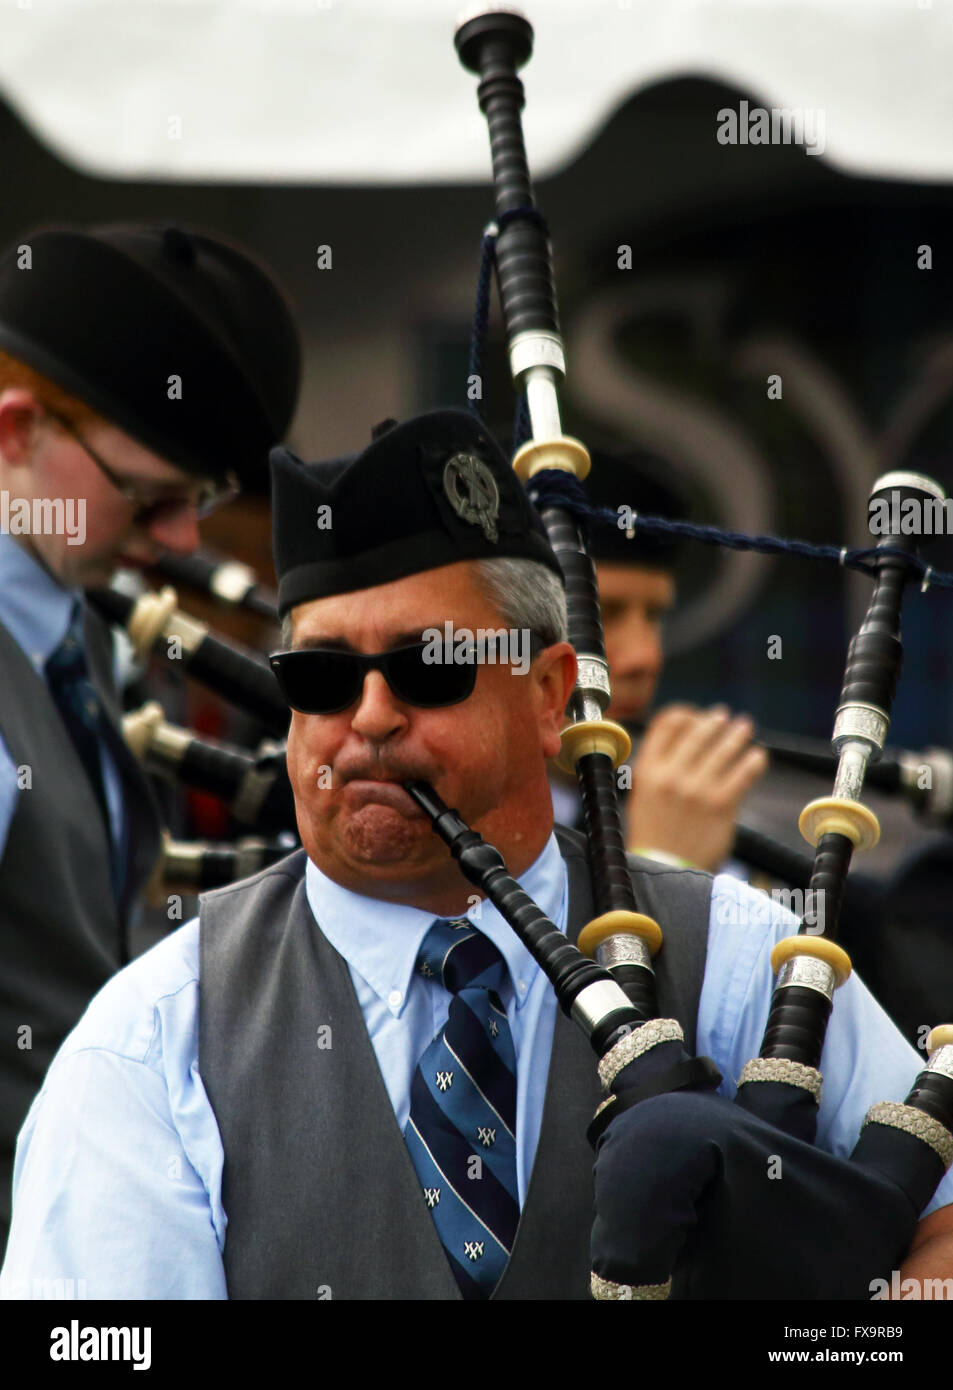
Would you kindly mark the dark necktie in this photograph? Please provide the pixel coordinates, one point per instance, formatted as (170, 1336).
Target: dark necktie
(461, 1133)
(81, 710)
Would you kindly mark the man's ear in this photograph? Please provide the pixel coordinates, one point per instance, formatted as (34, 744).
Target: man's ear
(555, 672)
(19, 415)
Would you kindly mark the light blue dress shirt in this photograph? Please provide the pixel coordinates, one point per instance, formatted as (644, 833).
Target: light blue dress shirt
(118, 1176)
(36, 611)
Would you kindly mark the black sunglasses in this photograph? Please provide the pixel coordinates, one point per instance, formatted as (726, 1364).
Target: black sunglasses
(325, 680)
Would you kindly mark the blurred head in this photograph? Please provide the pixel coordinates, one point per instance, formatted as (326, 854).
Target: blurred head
(54, 448)
(144, 371)
(635, 572)
(635, 601)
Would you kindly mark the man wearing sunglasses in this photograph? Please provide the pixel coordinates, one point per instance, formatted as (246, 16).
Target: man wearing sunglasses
(347, 1078)
(143, 371)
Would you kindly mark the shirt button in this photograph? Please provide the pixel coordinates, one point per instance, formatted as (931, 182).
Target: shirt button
(521, 986)
(395, 999)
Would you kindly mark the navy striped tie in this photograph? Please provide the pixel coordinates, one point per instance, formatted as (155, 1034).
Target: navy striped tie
(81, 709)
(461, 1133)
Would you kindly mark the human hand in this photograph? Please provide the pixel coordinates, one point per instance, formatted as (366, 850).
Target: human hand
(691, 774)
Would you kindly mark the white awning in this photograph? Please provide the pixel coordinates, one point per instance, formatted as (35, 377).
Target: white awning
(371, 91)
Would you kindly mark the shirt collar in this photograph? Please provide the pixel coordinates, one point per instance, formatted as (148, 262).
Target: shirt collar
(381, 940)
(35, 609)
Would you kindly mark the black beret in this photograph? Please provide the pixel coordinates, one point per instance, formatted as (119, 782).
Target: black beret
(425, 493)
(110, 313)
(643, 482)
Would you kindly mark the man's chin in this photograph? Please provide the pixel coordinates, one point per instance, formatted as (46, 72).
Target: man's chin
(380, 836)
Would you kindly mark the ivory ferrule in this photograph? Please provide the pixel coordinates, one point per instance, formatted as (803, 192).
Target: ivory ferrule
(169, 743)
(187, 630)
(181, 857)
(139, 726)
(147, 620)
(231, 581)
(903, 478)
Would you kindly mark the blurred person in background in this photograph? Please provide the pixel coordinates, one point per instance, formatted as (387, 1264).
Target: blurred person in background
(144, 372)
(693, 768)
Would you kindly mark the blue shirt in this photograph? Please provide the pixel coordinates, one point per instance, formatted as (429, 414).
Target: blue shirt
(118, 1175)
(36, 611)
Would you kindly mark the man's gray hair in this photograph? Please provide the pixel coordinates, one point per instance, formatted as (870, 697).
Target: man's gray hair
(527, 593)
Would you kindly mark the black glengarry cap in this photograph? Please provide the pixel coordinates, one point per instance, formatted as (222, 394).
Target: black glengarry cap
(110, 313)
(642, 481)
(429, 492)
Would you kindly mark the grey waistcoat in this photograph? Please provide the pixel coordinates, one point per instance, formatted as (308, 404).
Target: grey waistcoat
(321, 1195)
(61, 932)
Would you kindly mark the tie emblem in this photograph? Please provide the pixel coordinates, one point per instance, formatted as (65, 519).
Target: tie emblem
(432, 1196)
(444, 1080)
(486, 1136)
(473, 1249)
(426, 970)
(492, 1027)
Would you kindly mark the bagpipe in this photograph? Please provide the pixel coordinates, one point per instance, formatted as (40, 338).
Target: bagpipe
(154, 624)
(685, 1205)
(924, 780)
(253, 785)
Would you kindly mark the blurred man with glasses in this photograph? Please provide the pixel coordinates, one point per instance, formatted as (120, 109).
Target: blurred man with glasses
(144, 371)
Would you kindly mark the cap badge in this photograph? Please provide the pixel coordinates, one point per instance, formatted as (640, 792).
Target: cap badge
(472, 492)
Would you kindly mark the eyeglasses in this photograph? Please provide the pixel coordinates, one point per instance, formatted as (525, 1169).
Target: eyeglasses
(148, 506)
(325, 680)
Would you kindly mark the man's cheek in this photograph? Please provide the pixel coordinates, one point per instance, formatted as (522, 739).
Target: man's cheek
(302, 755)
